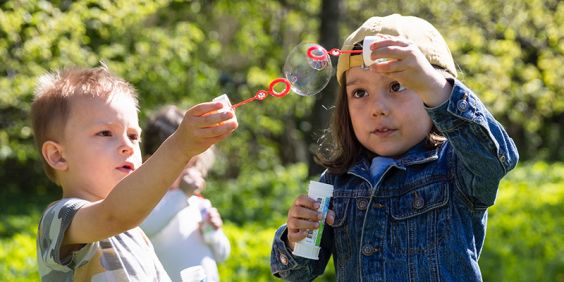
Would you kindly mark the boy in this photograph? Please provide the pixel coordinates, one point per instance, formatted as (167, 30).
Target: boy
(86, 127)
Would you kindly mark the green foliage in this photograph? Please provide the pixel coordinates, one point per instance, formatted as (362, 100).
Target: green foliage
(262, 197)
(250, 255)
(524, 240)
(17, 248)
(184, 52)
(525, 226)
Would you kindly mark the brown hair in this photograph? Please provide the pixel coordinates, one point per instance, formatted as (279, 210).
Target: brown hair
(51, 107)
(339, 148)
(161, 125)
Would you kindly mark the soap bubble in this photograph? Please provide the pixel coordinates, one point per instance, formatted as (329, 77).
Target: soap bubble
(308, 68)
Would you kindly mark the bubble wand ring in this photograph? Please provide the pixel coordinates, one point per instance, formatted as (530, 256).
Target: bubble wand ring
(324, 53)
(262, 94)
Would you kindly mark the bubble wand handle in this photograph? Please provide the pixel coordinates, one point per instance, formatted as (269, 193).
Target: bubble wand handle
(262, 94)
(323, 53)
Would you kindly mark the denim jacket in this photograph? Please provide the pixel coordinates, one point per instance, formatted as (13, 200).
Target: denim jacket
(424, 218)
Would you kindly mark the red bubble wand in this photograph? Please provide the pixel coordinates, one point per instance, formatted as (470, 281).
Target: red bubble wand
(262, 94)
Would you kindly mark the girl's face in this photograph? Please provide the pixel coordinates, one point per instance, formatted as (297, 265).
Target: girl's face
(387, 118)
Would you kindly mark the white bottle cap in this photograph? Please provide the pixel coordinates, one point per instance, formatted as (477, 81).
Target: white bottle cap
(366, 52)
(306, 251)
(224, 99)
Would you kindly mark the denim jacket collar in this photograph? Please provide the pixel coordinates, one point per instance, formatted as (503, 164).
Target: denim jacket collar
(418, 154)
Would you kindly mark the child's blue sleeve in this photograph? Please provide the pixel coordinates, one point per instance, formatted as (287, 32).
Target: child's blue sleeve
(285, 265)
(484, 152)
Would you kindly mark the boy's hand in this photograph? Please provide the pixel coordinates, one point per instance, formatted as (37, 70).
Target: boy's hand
(203, 125)
(303, 216)
(408, 65)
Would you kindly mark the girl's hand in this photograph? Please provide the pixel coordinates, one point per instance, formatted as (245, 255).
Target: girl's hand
(408, 65)
(303, 216)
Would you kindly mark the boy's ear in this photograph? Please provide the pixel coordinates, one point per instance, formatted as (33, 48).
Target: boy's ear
(53, 155)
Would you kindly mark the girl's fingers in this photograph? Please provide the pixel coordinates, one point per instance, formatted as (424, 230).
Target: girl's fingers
(296, 235)
(306, 202)
(330, 218)
(302, 224)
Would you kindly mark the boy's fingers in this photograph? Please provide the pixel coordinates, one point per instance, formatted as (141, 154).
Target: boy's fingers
(204, 108)
(219, 130)
(213, 119)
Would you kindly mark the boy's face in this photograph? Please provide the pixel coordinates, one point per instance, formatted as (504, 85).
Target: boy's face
(100, 145)
(387, 118)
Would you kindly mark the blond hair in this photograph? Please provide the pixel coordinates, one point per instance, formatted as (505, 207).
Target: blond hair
(51, 107)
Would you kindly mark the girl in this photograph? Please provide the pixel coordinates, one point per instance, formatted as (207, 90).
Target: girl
(415, 160)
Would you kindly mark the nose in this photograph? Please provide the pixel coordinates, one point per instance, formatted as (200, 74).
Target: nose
(127, 146)
(380, 106)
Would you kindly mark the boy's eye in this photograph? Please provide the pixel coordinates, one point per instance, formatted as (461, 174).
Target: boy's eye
(359, 93)
(105, 133)
(134, 137)
(396, 87)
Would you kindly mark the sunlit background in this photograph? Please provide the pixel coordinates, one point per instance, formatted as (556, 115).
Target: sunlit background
(509, 52)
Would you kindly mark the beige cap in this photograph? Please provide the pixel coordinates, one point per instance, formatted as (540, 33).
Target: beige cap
(414, 29)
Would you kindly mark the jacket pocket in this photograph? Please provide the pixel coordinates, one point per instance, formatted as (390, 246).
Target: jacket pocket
(341, 232)
(420, 218)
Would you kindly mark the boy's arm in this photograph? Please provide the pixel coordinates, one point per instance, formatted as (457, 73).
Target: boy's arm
(136, 195)
(173, 202)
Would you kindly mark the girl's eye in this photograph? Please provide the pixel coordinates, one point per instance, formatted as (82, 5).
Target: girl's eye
(359, 93)
(104, 133)
(396, 87)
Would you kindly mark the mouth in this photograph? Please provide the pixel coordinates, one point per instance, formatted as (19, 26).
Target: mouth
(126, 167)
(383, 131)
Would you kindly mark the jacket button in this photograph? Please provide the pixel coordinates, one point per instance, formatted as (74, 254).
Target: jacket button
(284, 259)
(462, 105)
(369, 250)
(418, 202)
(362, 204)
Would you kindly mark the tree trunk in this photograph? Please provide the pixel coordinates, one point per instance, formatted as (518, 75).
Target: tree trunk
(330, 17)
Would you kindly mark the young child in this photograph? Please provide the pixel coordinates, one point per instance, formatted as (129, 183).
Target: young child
(184, 228)
(415, 160)
(86, 127)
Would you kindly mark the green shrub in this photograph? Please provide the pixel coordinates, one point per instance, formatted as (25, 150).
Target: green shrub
(525, 239)
(250, 254)
(17, 248)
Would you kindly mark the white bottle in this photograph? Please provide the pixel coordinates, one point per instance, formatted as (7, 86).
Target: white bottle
(309, 247)
(209, 233)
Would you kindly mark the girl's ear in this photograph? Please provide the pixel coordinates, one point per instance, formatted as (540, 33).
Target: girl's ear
(53, 155)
